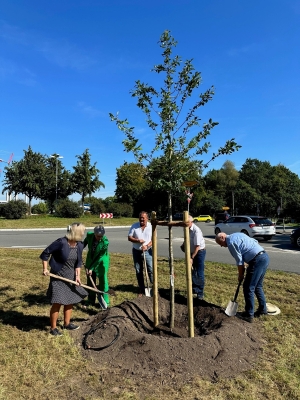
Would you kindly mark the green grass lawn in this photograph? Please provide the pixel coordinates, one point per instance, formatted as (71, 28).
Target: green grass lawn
(34, 365)
(50, 221)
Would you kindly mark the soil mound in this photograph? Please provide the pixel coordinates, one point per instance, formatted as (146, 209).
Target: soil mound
(122, 340)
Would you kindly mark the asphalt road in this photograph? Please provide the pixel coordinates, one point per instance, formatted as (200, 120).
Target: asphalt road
(283, 257)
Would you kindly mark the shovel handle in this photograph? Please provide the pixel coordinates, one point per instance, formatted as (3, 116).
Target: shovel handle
(145, 268)
(73, 282)
(237, 291)
(95, 287)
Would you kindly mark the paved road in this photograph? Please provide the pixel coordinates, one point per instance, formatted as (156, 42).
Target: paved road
(282, 256)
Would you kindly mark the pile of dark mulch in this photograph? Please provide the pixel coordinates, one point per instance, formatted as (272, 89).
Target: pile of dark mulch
(122, 340)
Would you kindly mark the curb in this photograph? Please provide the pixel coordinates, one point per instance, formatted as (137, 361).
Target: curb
(56, 229)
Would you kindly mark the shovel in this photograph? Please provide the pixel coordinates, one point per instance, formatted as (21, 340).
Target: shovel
(233, 305)
(147, 289)
(101, 300)
(110, 291)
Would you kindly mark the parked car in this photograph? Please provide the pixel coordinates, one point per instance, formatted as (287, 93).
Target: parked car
(177, 217)
(221, 216)
(203, 218)
(295, 237)
(253, 226)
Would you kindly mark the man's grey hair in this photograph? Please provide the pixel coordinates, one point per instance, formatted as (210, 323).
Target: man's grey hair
(190, 218)
(220, 237)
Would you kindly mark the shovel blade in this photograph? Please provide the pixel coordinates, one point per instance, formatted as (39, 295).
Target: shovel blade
(102, 302)
(231, 309)
(147, 292)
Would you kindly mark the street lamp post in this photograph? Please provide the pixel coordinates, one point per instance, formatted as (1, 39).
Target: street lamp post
(56, 156)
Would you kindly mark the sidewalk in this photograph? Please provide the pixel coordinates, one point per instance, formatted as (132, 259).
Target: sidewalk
(286, 230)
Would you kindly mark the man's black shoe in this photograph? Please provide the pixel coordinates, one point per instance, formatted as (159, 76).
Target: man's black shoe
(244, 316)
(259, 313)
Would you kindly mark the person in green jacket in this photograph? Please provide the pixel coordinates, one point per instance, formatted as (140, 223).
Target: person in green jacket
(97, 262)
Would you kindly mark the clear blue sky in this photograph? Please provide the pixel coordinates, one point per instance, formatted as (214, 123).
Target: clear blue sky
(64, 65)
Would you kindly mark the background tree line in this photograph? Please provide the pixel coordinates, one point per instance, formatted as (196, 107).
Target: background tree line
(45, 178)
(258, 188)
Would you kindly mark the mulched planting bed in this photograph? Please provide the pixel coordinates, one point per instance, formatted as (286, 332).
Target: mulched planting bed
(122, 343)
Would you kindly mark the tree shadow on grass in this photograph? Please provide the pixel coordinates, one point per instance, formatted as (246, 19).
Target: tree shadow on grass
(4, 289)
(24, 322)
(27, 322)
(126, 288)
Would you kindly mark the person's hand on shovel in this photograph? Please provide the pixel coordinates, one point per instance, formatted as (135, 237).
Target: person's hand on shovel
(241, 271)
(45, 268)
(77, 276)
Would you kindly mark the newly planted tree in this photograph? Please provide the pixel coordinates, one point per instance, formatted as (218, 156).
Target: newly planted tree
(178, 137)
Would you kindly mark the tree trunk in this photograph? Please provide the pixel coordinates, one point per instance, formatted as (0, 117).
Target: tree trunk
(171, 265)
(29, 205)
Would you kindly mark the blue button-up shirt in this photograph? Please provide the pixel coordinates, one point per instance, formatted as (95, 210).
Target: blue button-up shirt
(242, 247)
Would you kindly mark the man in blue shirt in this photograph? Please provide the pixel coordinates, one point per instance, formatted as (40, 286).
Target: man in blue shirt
(247, 250)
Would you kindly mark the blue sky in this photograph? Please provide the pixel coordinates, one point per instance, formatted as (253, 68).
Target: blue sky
(65, 65)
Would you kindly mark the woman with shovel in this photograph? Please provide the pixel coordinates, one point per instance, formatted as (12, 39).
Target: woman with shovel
(97, 264)
(65, 256)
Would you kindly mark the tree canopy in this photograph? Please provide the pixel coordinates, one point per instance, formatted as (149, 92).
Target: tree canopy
(85, 179)
(26, 176)
(179, 135)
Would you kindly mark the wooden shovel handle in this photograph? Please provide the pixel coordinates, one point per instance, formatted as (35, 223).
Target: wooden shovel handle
(92, 281)
(73, 282)
(237, 291)
(110, 291)
(145, 268)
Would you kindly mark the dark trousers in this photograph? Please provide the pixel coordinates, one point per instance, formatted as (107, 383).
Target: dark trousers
(198, 278)
(253, 284)
(138, 260)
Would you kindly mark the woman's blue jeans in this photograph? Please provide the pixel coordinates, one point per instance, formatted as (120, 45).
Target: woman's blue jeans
(138, 260)
(198, 273)
(253, 284)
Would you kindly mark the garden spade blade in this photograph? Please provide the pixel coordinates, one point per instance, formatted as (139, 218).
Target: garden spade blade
(233, 305)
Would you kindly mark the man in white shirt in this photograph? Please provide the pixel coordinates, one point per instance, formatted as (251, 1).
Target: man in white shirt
(140, 234)
(198, 253)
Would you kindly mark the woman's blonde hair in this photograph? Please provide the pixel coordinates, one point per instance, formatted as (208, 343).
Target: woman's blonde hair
(75, 231)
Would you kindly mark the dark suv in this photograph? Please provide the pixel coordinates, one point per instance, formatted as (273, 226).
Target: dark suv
(295, 237)
(220, 217)
(177, 217)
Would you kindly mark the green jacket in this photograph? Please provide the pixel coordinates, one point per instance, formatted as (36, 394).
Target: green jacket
(100, 259)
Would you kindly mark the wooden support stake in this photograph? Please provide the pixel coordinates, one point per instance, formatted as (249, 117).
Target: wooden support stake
(188, 275)
(154, 265)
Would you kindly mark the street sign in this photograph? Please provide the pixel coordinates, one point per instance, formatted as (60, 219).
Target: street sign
(225, 208)
(189, 183)
(106, 215)
(278, 210)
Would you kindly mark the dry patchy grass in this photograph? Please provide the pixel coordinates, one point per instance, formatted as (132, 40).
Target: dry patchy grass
(36, 366)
